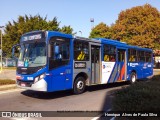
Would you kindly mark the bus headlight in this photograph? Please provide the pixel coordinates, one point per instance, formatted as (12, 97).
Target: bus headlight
(39, 77)
(42, 76)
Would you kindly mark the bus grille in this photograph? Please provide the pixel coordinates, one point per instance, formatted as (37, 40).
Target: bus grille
(27, 71)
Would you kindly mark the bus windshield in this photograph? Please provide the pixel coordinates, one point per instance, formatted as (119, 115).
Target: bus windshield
(32, 54)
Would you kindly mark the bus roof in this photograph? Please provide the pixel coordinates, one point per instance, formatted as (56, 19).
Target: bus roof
(121, 44)
(50, 33)
(98, 40)
(56, 33)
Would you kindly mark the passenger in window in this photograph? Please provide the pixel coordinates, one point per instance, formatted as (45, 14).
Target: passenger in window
(106, 58)
(132, 59)
(112, 59)
(81, 56)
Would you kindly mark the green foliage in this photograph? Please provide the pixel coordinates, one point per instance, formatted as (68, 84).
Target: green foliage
(67, 29)
(7, 82)
(142, 96)
(101, 31)
(14, 30)
(137, 26)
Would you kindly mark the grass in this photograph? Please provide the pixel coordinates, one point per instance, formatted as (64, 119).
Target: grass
(9, 68)
(7, 82)
(141, 96)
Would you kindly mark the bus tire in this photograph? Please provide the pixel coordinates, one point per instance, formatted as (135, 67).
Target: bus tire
(133, 78)
(79, 85)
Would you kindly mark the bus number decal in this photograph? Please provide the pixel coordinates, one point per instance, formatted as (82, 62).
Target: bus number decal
(78, 65)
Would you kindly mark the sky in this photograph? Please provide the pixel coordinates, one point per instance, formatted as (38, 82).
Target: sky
(76, 13)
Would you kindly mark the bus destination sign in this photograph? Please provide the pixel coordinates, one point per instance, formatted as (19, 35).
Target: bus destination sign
(32, 37)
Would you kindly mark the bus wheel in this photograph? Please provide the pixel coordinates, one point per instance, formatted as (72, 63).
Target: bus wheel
(133, 78)
(79, 85)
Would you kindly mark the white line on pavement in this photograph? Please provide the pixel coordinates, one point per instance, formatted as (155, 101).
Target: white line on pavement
(113, 118)
(96, 118)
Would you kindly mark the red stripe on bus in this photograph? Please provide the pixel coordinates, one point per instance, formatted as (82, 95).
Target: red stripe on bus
(122, 72)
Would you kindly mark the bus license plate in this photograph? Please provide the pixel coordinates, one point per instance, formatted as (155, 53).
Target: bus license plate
(23, 84)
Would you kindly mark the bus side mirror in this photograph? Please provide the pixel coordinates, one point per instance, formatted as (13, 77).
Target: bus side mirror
(14, 49)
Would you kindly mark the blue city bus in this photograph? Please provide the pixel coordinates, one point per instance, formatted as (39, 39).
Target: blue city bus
(53, 61)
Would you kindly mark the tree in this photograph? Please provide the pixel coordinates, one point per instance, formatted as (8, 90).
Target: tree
(67, 30)
(138, 26)
(14, 30)
(101, 31)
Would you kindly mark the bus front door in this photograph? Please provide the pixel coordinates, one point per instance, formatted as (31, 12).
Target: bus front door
(121, 64)
(95, 64)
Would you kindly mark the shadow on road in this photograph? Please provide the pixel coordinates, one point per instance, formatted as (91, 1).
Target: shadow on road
(47, 95)
(105, 86)
(59, 94)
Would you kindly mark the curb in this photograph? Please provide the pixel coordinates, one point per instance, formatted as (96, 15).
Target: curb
(8, 87)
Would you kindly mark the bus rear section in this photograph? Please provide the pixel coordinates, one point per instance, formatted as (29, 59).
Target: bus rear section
(140, 63)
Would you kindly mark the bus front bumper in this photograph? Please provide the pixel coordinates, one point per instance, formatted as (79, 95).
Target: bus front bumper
(40, 85)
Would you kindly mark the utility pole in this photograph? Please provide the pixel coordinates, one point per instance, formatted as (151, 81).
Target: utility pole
(81, 33)
(92, 23)
(1, 51)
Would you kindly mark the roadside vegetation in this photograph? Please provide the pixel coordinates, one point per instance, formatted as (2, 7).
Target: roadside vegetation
(141, 96)
(9, 68)
(7, 82)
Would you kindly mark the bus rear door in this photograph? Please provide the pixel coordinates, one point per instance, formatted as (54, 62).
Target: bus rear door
(122, 69)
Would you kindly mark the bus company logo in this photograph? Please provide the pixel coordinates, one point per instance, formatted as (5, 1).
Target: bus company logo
(107, 66)
(133, 64)
(79, 65)
(145, 64)
(104, 66)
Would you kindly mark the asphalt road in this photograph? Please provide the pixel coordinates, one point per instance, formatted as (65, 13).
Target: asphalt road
(156, 71)
(96, 98)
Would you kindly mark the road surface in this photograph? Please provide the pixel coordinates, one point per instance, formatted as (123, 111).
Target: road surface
(96, 98)
(156, 71)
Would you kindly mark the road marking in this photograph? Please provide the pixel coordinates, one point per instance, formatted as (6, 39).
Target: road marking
(113, 118)
(10, 91)
(96, 118)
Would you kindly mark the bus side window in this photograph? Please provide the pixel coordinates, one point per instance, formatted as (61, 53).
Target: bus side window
(109, 53)
(81, 50)
(59, 51)
(132, 58)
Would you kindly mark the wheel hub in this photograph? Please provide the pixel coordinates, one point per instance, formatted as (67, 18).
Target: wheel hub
(133, 78)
